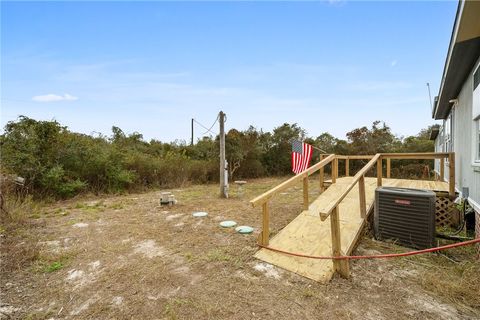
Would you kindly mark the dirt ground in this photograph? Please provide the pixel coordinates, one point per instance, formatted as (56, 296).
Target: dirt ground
(127, 257)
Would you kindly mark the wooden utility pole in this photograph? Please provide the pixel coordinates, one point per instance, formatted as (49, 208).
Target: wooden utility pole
(191, 141)
(223, 164)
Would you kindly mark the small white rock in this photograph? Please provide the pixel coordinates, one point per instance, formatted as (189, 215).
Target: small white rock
(117, 300)
(269, 270)
(80, 225)
(94, 265)
(74, 274)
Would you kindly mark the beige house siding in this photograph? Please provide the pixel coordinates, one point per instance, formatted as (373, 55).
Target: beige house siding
(467, 173)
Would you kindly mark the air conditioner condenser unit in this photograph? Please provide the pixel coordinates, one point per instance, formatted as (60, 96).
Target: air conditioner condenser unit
(406, 216)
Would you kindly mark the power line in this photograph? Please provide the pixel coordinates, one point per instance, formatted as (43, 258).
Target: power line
(201, 125)
(208, 129)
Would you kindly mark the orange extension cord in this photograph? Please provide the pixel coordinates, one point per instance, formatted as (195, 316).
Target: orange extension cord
(378, 256)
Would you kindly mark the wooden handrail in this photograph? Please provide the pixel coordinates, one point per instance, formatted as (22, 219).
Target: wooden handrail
(287, 184)
(377, 159)
(416, 156)
(332, 209)
(358, 178)
(355, 157)
(361, 173)
(318, 165)
(426, 156)
(290, 182)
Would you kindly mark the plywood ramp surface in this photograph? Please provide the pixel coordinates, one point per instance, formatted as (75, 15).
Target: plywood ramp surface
(307, 234)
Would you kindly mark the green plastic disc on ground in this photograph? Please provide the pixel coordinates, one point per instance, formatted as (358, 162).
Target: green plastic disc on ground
(200, 214)
(228, 224)
(244, 229)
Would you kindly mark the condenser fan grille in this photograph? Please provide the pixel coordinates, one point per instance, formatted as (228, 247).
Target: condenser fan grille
(406, 216)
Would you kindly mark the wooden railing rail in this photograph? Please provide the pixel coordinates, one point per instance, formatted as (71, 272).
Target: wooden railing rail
(332, 209)
(422, 156)
(342, 266)
(265, 197)
(360, 174)
(347, 159)
(417, 156)
(355, 157)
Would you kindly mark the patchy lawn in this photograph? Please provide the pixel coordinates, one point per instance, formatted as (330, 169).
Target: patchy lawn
(128, 257)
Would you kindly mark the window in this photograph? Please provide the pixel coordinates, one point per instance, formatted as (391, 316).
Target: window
(476, 117)
(440, 138)
(448, 131)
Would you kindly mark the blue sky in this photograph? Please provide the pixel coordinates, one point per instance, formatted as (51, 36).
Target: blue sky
(152, 66)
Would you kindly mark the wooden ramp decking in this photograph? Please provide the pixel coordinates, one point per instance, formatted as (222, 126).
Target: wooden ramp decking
(307, 234)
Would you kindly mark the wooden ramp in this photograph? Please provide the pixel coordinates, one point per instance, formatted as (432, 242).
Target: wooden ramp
(307, 234)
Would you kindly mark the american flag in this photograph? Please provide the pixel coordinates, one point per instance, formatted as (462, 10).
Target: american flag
(301, 156)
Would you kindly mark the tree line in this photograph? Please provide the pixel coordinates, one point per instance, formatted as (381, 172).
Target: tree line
(56, 162)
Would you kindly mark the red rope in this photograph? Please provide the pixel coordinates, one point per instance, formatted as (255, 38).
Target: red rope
(378, 256)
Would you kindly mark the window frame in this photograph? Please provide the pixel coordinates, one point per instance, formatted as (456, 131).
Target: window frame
(476, 118)
(448, 132)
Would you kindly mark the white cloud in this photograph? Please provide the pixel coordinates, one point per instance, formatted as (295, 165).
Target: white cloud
(393, 63)
(54, 98)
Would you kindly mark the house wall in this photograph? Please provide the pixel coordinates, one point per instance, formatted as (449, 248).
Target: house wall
(467, 173)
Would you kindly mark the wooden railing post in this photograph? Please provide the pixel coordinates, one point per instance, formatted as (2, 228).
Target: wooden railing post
(363, 201)
(379, 172)
(334, 170)
(451, 174)
(322, 177)
(340, 266)
(265, 224)
(442, 169)
(347, 167)
(388, 167)
(305, 193)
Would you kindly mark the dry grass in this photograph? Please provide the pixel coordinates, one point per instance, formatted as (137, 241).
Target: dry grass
(16, 210)
(455, 281)
(160, 262)
(15, 254)
(451, 275)
(17, 249)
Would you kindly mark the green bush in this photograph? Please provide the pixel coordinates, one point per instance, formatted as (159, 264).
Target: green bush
(56, 183)
(56, 162)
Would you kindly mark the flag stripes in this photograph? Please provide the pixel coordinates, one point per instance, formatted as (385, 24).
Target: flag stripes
(301, 156)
